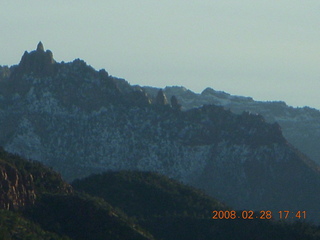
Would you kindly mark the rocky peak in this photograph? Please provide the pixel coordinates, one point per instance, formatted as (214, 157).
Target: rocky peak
(40, 47)
(37, 62)
(161, 98)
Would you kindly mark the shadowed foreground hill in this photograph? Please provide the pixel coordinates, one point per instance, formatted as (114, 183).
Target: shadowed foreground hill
(21, 185)
(83, 217)
(37, 204)
(14, 226)
(173, 211)
(22, 182)
(146, 194)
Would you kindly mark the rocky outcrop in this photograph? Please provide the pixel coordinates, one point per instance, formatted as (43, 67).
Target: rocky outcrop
(21, 181)
(16, 189)
(39, 62)
(161, 98)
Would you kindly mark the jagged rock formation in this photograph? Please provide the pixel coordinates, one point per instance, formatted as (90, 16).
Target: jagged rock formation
(38, 62)
(161, 99)
(21, 181)
(17, 189)
(301, 126)
(81, 121)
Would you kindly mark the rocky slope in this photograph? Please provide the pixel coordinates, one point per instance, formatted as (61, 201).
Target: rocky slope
(16, 189)
(81, 121)
(300, 126)
(35, 203)
(21, 182)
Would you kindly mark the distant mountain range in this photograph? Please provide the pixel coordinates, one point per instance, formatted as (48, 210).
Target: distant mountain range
(82, 121)
(300, 126)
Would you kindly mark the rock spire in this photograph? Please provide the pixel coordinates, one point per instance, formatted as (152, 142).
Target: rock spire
(37, 62)
(161, 98)
(40, 47)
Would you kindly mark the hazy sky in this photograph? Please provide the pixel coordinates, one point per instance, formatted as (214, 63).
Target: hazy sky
(269, 50)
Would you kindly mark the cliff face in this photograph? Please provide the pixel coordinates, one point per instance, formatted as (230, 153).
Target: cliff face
(22, 181)
(17, 190)
(81, 121)
(41, 201)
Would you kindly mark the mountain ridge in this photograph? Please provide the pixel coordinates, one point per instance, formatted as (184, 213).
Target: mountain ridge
(301, 126)
(82, 121)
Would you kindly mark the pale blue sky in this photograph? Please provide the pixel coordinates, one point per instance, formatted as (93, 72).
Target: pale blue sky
(269, 50)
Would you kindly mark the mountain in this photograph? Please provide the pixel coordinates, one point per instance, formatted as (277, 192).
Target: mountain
(83, 217)
(37, 204)
(168, 209)
(300, 126)
(81, 121)
(173, 211)
(22, 183)
(149, 194)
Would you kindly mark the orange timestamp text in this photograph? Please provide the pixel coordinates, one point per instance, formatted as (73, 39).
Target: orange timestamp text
(249, 214)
